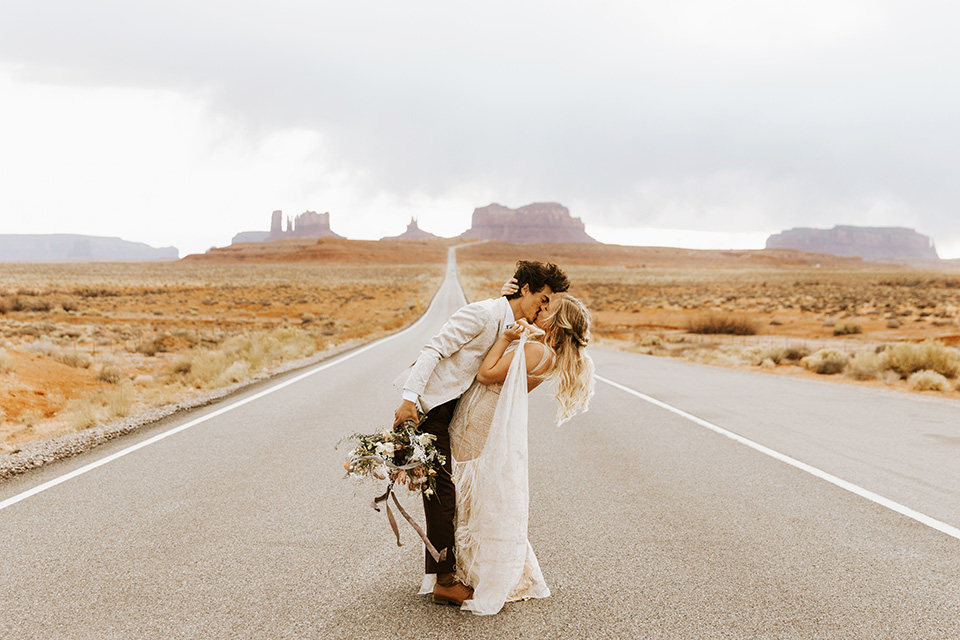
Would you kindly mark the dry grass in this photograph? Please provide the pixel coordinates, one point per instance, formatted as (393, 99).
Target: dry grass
(926, 380)
(89, 343)
(847, 329)
(826, 361)
(765, 355)
(81, 413)
(849, 307)
(7, 364)
(729, 324)
(906, 358)
(866, 364)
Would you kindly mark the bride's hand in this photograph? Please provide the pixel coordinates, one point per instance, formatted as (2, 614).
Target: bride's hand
(530, 329)
(514, 332)
(509, 287)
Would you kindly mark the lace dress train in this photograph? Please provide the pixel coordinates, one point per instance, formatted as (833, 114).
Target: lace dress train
(488, 440)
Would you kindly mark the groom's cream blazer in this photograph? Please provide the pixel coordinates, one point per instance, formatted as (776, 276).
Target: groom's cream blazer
(448, 363)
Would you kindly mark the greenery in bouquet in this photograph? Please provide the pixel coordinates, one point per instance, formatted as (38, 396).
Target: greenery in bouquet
(405, 455)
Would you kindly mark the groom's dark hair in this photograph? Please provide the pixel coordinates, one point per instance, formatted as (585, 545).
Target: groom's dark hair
(538, 275)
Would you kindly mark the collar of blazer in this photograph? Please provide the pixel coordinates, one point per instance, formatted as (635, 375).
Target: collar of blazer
(506, 314)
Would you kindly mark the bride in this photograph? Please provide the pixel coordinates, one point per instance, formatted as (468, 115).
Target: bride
(488, 442)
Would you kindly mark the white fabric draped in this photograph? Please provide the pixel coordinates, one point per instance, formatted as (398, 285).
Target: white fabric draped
(493, 554)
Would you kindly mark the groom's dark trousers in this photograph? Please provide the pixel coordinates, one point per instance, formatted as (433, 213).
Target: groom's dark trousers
(439, 509)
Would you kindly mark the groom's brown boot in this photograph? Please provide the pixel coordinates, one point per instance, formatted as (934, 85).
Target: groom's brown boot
(449, 590)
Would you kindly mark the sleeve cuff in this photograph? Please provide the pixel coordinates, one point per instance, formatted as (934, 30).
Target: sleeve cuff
(412, 396)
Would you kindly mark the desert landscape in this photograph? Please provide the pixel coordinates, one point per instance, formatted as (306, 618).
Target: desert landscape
(85, 344)
(781, 311)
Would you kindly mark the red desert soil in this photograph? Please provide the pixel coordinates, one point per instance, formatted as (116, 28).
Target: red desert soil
(82, 344)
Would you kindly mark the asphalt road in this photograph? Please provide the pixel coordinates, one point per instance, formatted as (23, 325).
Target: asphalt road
(647, 524)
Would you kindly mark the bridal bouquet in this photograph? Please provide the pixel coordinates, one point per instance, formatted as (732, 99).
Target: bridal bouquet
(405, 455)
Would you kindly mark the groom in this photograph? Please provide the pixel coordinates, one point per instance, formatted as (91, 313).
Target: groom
(445, 368)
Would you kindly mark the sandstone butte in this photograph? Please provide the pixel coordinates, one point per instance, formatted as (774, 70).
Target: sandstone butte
(537, 223)
(870, 243)
(413, 232)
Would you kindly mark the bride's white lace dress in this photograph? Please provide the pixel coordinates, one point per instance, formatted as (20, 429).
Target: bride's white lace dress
(488, 440)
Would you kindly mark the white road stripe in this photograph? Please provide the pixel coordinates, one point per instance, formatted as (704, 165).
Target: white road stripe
(943, 527)
(93, 465)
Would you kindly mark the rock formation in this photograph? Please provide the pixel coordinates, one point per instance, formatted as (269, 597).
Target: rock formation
(308, 224)
(870, 243)
(413, 232)
(540, 222)
(63, 247)
(250, 236)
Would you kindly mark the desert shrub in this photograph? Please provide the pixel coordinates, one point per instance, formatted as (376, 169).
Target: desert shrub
(651, 341)
(39, 304)
(109, 372)
(81, 413)
(206, 368)
(6, 362)
(43, 347)
(181, 364)
(927, 380)
(65, 303)
(149, 346)
(307, 318)
(294, 344)
(765, 354)
(4, 306)
(731, 324)
(236, 372)
(118, 400)
(236, 357)
(846, 329)
(72, 358)
(30, 330)
(893, 323)
(906, 358)
(864, 365)
(826, 361)
(796, 352)
(889, 377)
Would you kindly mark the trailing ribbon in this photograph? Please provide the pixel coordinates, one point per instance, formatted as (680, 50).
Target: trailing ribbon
(438, 557)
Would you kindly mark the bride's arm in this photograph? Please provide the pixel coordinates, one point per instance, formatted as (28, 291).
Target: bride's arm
(495, 365)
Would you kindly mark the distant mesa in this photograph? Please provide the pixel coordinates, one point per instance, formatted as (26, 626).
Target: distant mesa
(64, 247)
(413, 232)
(870, 243)
(537, 223)
(308, 224)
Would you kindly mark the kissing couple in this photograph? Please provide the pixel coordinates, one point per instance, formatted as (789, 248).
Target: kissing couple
(472, 380)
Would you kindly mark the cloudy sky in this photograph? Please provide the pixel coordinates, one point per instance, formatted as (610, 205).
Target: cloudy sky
(704, 123)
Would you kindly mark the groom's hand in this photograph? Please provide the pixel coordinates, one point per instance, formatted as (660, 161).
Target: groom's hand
(406, 411)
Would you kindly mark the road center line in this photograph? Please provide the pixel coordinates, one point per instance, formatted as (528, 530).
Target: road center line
(942, 527)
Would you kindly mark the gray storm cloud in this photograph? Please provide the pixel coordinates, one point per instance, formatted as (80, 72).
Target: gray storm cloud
(727, 116)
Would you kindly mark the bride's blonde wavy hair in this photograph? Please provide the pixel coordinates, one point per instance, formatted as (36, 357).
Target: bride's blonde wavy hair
(568, 333)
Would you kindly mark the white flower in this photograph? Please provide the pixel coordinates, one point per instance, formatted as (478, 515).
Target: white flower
(428, 492)
(385, 448)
